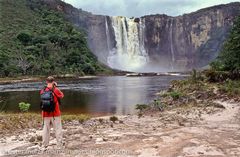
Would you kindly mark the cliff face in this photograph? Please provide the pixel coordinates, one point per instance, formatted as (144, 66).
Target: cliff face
(191, 40)
(171, 43)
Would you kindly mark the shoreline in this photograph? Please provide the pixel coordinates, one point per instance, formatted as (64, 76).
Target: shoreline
(13, 80)
(20, 79)
(191, 118)
(183, 131)
(192, 124)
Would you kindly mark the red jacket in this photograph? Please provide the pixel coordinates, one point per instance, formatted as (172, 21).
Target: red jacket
(57, 95)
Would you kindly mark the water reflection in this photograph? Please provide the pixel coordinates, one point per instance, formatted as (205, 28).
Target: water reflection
(102, 95)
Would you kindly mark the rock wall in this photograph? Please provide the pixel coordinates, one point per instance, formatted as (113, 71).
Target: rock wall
(191, 40)
(172, 43)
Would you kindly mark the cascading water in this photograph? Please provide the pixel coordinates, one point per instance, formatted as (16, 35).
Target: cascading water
(129, 54)
(107, 34)
(171, 44)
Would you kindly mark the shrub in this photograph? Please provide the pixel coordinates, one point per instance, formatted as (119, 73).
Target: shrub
(47, 45)
(159, 105)
(24, 37)
(80, 117)
(230, 87)
(141, 107)
(101, 120)
(196, 76)
(229, 59)
(216, 76)
(175, 95)
(13, 121)
(24, 107)
(113, 119)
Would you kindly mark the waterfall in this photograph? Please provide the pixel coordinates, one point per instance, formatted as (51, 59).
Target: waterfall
(171, 44)
(129, 53)
(107, 35)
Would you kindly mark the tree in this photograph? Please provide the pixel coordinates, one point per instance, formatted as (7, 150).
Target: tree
(38, 40)
(229, 58)
(22, 63)
(24, 38)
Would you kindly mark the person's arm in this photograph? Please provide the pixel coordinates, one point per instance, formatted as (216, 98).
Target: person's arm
(58, 93)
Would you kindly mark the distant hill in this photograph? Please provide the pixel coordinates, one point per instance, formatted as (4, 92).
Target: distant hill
(37, 40)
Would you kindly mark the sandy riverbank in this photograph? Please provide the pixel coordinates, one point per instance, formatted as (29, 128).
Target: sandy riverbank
(180, 132)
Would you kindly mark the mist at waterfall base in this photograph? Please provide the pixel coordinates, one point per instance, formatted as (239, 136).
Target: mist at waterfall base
(129, 53)
(138, 64)
(127, 63)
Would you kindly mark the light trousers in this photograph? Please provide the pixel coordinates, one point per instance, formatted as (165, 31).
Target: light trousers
(57, 126)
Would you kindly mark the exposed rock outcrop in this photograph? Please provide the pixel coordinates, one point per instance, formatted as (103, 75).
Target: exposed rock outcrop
(172, 43)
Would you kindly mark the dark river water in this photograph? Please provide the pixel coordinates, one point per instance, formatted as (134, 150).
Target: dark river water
(96, 96)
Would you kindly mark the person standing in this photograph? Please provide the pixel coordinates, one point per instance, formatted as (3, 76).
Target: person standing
(51, 113)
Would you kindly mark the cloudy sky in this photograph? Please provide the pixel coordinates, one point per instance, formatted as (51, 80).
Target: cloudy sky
(138, 8)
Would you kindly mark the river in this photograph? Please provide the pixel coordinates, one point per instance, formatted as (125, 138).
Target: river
(95, 96)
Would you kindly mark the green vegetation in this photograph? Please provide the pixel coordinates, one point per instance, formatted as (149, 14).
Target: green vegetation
(231, 88)
(17, 121)
(36, 40)
(196, 76)
(175, 95)
(141, 107)
(229, 58)
(24, 107)
(101, 120)
(12, 122)
(113, 119)
(159, 105)
(201, 89)
(81, 118)
(217, 76)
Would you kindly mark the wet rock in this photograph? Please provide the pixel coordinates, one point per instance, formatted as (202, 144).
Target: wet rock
(137, 20)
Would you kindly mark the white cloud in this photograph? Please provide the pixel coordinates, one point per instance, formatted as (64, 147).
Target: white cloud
(144, 7)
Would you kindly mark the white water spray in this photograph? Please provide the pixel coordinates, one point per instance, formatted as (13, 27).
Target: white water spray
(129, 53)
(171, 43)
(107, 35)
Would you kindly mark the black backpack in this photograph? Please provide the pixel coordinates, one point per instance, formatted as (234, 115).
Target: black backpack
(47, 100)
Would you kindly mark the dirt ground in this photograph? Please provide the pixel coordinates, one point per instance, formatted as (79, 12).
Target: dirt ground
(181, 132)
